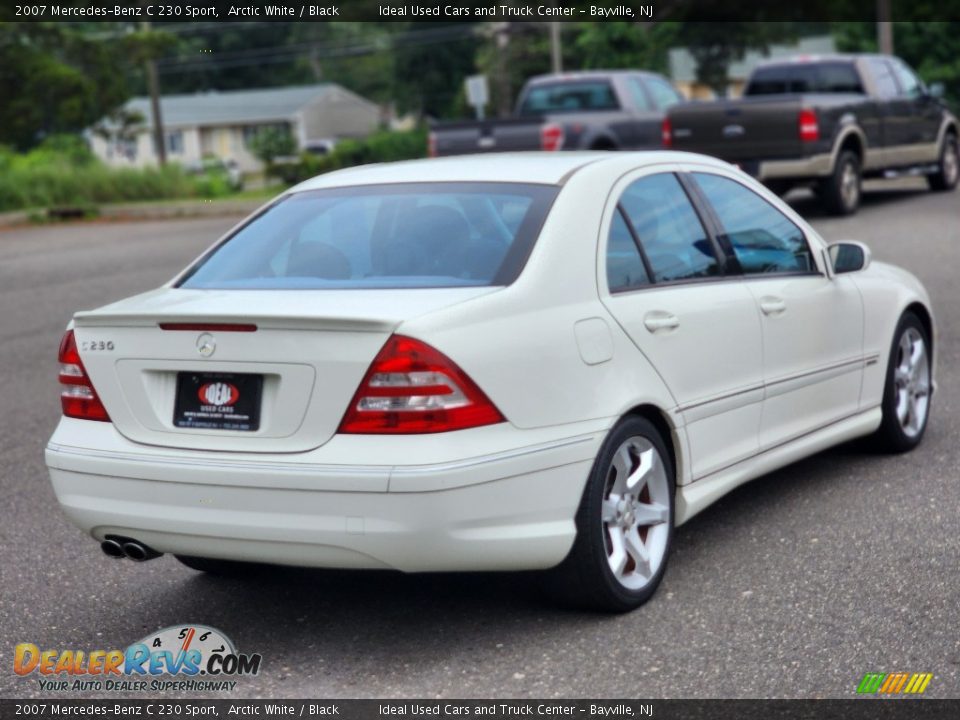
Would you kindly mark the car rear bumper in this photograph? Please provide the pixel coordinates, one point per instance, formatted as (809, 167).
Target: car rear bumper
(506, 510)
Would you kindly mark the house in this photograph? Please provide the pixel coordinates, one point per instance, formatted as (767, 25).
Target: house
(683, 66)
(222, 124)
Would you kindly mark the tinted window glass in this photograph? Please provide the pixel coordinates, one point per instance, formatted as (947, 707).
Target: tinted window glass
(883, 77)
(663, 93)
(569, 97)
(625, 269)
(672, 236)
(909, 83)
(637, 94)
(838, 77)
(400, 236)
(763, 239)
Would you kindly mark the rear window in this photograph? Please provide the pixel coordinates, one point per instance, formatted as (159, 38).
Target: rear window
(397, 236)
(838, 77)
(569, 97)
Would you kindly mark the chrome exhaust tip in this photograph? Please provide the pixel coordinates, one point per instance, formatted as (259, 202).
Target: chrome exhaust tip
(139, 552)
(111, 548)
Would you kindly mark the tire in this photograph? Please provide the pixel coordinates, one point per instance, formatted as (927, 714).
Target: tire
(213, 566)
(948, 168)
(906, 391)
(841, 192)
(608, 531)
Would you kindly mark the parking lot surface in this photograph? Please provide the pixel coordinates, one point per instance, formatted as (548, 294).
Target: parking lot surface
(792, 586)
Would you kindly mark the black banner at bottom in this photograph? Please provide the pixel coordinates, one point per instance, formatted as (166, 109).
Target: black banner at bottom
(865, 709)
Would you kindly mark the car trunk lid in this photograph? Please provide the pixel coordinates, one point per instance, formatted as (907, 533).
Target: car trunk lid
(307, 354)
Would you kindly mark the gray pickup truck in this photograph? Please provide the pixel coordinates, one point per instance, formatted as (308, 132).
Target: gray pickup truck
(596, 110)
(827, 122)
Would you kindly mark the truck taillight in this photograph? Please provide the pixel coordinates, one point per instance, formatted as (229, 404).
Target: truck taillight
(808, 125)
(77, 396)
(666, 133)
(431, 144)
(551, 137)
(412, 388)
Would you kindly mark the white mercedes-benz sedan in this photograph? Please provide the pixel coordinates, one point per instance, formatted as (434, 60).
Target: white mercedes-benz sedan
(502, 362)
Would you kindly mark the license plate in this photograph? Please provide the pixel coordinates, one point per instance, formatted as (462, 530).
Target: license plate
(218, 401)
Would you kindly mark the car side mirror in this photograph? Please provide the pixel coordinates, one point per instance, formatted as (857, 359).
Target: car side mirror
(937, 90)
(849, 256)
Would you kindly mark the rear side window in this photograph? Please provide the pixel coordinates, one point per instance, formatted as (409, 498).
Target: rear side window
(638, 94)
(883, 77)
(673, 239)
(383, 236)
(625, 270)
(835, 77)
(569, 97)
(763, 239)
(663, 93)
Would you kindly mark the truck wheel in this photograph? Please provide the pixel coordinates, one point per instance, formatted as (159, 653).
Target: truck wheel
(948, 169)
(841, 191)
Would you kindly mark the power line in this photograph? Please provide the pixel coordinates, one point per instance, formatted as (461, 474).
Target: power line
(288, 53)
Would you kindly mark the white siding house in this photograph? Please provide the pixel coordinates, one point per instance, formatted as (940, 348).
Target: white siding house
(221, 124)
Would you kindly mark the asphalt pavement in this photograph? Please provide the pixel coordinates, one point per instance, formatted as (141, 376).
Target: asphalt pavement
(794, 585)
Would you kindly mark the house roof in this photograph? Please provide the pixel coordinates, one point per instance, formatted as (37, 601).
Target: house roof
(235, 107)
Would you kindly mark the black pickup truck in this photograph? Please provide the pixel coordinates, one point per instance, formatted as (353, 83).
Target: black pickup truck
(827, 122)
(593, 110)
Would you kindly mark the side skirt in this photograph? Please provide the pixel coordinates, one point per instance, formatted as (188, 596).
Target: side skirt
(701, 493)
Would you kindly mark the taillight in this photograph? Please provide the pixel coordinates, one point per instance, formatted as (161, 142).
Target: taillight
(431, 144)
(551, 137)
(666, 133)
(413, 388)
(77, 396)
(809, 126)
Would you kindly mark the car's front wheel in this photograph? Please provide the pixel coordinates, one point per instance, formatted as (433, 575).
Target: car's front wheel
(624, 523)
(906, 394)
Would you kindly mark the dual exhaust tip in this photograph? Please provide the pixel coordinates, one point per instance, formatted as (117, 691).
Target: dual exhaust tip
(120, 547)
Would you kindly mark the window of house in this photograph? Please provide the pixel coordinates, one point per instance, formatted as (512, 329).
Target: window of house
(175, 142)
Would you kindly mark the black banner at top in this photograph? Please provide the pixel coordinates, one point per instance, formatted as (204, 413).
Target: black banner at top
(179, 11)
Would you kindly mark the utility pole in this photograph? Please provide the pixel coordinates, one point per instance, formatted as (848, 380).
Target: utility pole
(884, 27)
(556, 54)
(153, 84)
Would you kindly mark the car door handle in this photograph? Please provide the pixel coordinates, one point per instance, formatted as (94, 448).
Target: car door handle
(658, 320)
(772, 306)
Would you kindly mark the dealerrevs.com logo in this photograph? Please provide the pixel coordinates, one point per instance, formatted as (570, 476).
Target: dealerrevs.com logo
(179, 657)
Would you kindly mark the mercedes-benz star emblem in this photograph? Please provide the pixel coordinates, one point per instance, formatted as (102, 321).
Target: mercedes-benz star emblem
(206, 345)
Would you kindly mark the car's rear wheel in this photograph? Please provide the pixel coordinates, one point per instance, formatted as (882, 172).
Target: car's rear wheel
(948, 167)
(624, 523)
(841, 191)
(906, 394)
(215, 566)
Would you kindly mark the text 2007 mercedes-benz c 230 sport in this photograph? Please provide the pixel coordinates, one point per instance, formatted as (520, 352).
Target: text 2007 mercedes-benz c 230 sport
(502, 362)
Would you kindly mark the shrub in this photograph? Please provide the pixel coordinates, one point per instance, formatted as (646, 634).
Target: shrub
(383, 146)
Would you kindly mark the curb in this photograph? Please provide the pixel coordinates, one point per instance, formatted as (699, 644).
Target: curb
(150, 211)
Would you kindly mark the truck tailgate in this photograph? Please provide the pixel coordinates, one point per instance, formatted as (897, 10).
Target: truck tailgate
(735, 130)
(480, 136)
